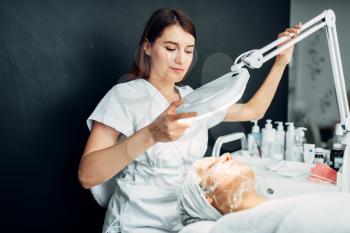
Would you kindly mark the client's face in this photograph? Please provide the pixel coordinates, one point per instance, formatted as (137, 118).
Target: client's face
(225, 181)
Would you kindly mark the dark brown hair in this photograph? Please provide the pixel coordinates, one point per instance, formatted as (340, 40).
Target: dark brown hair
(155, 26)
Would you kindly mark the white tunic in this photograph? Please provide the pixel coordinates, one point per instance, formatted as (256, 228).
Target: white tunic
(145, 199)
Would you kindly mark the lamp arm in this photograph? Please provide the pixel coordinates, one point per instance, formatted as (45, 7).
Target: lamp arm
(338, 74)
(282, 39)
(255, 59)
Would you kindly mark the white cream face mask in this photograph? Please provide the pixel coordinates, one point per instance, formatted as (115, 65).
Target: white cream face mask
(225, 180)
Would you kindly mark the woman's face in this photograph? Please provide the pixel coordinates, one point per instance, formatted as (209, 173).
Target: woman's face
(228, 178)
(171, 54)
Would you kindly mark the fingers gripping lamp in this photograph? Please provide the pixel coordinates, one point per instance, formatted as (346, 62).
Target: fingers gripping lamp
(228, 89)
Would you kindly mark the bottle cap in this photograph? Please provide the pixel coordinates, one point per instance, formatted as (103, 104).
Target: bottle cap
(337, 146)
(301, 132)
(279, 125)
(268, 124)
(255, 128)
(290, 125)
(319, 150)
(339, 130)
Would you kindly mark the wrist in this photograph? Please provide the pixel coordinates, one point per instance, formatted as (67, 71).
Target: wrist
(149, 134)
(280, 64)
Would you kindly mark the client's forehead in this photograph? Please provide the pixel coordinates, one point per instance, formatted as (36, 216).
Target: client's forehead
(208, 162)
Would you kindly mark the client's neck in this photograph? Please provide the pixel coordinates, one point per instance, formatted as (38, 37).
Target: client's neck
(250, 200)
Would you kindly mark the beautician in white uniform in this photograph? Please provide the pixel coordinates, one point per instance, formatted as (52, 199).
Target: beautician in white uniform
(135, 132)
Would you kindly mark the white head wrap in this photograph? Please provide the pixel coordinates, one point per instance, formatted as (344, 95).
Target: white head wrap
(193, 205)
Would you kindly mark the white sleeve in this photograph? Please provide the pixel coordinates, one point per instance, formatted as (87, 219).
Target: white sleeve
(112, 111)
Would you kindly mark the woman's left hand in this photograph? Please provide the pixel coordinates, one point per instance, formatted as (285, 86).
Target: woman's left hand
(285, 56)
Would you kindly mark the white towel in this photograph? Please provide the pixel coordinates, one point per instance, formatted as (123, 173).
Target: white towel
(193, 205)
(321, 213)
(198, 227)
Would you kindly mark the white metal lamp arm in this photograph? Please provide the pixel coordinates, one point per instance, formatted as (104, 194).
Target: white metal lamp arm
(255, 59)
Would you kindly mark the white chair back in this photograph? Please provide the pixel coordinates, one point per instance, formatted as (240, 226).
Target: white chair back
(229, 138)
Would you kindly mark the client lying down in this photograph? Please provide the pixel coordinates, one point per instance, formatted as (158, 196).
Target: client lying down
(224, 186)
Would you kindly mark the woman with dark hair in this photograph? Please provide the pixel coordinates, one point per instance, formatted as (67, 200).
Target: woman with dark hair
(137, 138)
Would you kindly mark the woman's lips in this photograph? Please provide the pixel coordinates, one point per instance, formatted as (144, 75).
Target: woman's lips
(177, 69)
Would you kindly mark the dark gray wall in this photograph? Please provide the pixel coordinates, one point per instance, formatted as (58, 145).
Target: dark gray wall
(58, 59)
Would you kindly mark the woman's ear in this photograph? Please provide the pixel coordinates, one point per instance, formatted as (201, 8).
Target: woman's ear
(147, 47)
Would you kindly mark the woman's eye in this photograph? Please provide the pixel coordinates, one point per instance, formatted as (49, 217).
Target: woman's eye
(171, 49)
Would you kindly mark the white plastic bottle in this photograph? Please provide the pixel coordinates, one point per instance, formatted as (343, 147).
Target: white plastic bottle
(256, 132)
(254, 140)
(319, 155)
(278, 153)
(290, 147)
(337, 148)
(299, 144)
(338, 135)
(268, 135)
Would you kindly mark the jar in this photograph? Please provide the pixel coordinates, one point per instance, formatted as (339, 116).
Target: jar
(336, 158)
(319, 156)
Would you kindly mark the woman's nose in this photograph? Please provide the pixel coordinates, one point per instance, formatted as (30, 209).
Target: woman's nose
(226, 157)
(179, 57)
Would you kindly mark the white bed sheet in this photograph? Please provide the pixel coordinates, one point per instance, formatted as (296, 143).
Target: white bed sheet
(198, 227)
(321, 213)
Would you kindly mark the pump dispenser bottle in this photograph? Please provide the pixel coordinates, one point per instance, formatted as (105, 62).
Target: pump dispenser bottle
(299, 144)
(256, 132)
(254, 140)
(268, 140)
(279, 142)
(290, 147)
(338, 135)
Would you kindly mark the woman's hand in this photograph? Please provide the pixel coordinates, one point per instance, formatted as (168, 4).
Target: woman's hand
(285, 56)
(166, 126)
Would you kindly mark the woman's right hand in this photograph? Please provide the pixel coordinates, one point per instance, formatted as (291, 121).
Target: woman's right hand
(166, 126)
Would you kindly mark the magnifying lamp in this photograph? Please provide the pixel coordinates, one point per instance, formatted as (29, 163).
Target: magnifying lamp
(216, 95)
(226, 90)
